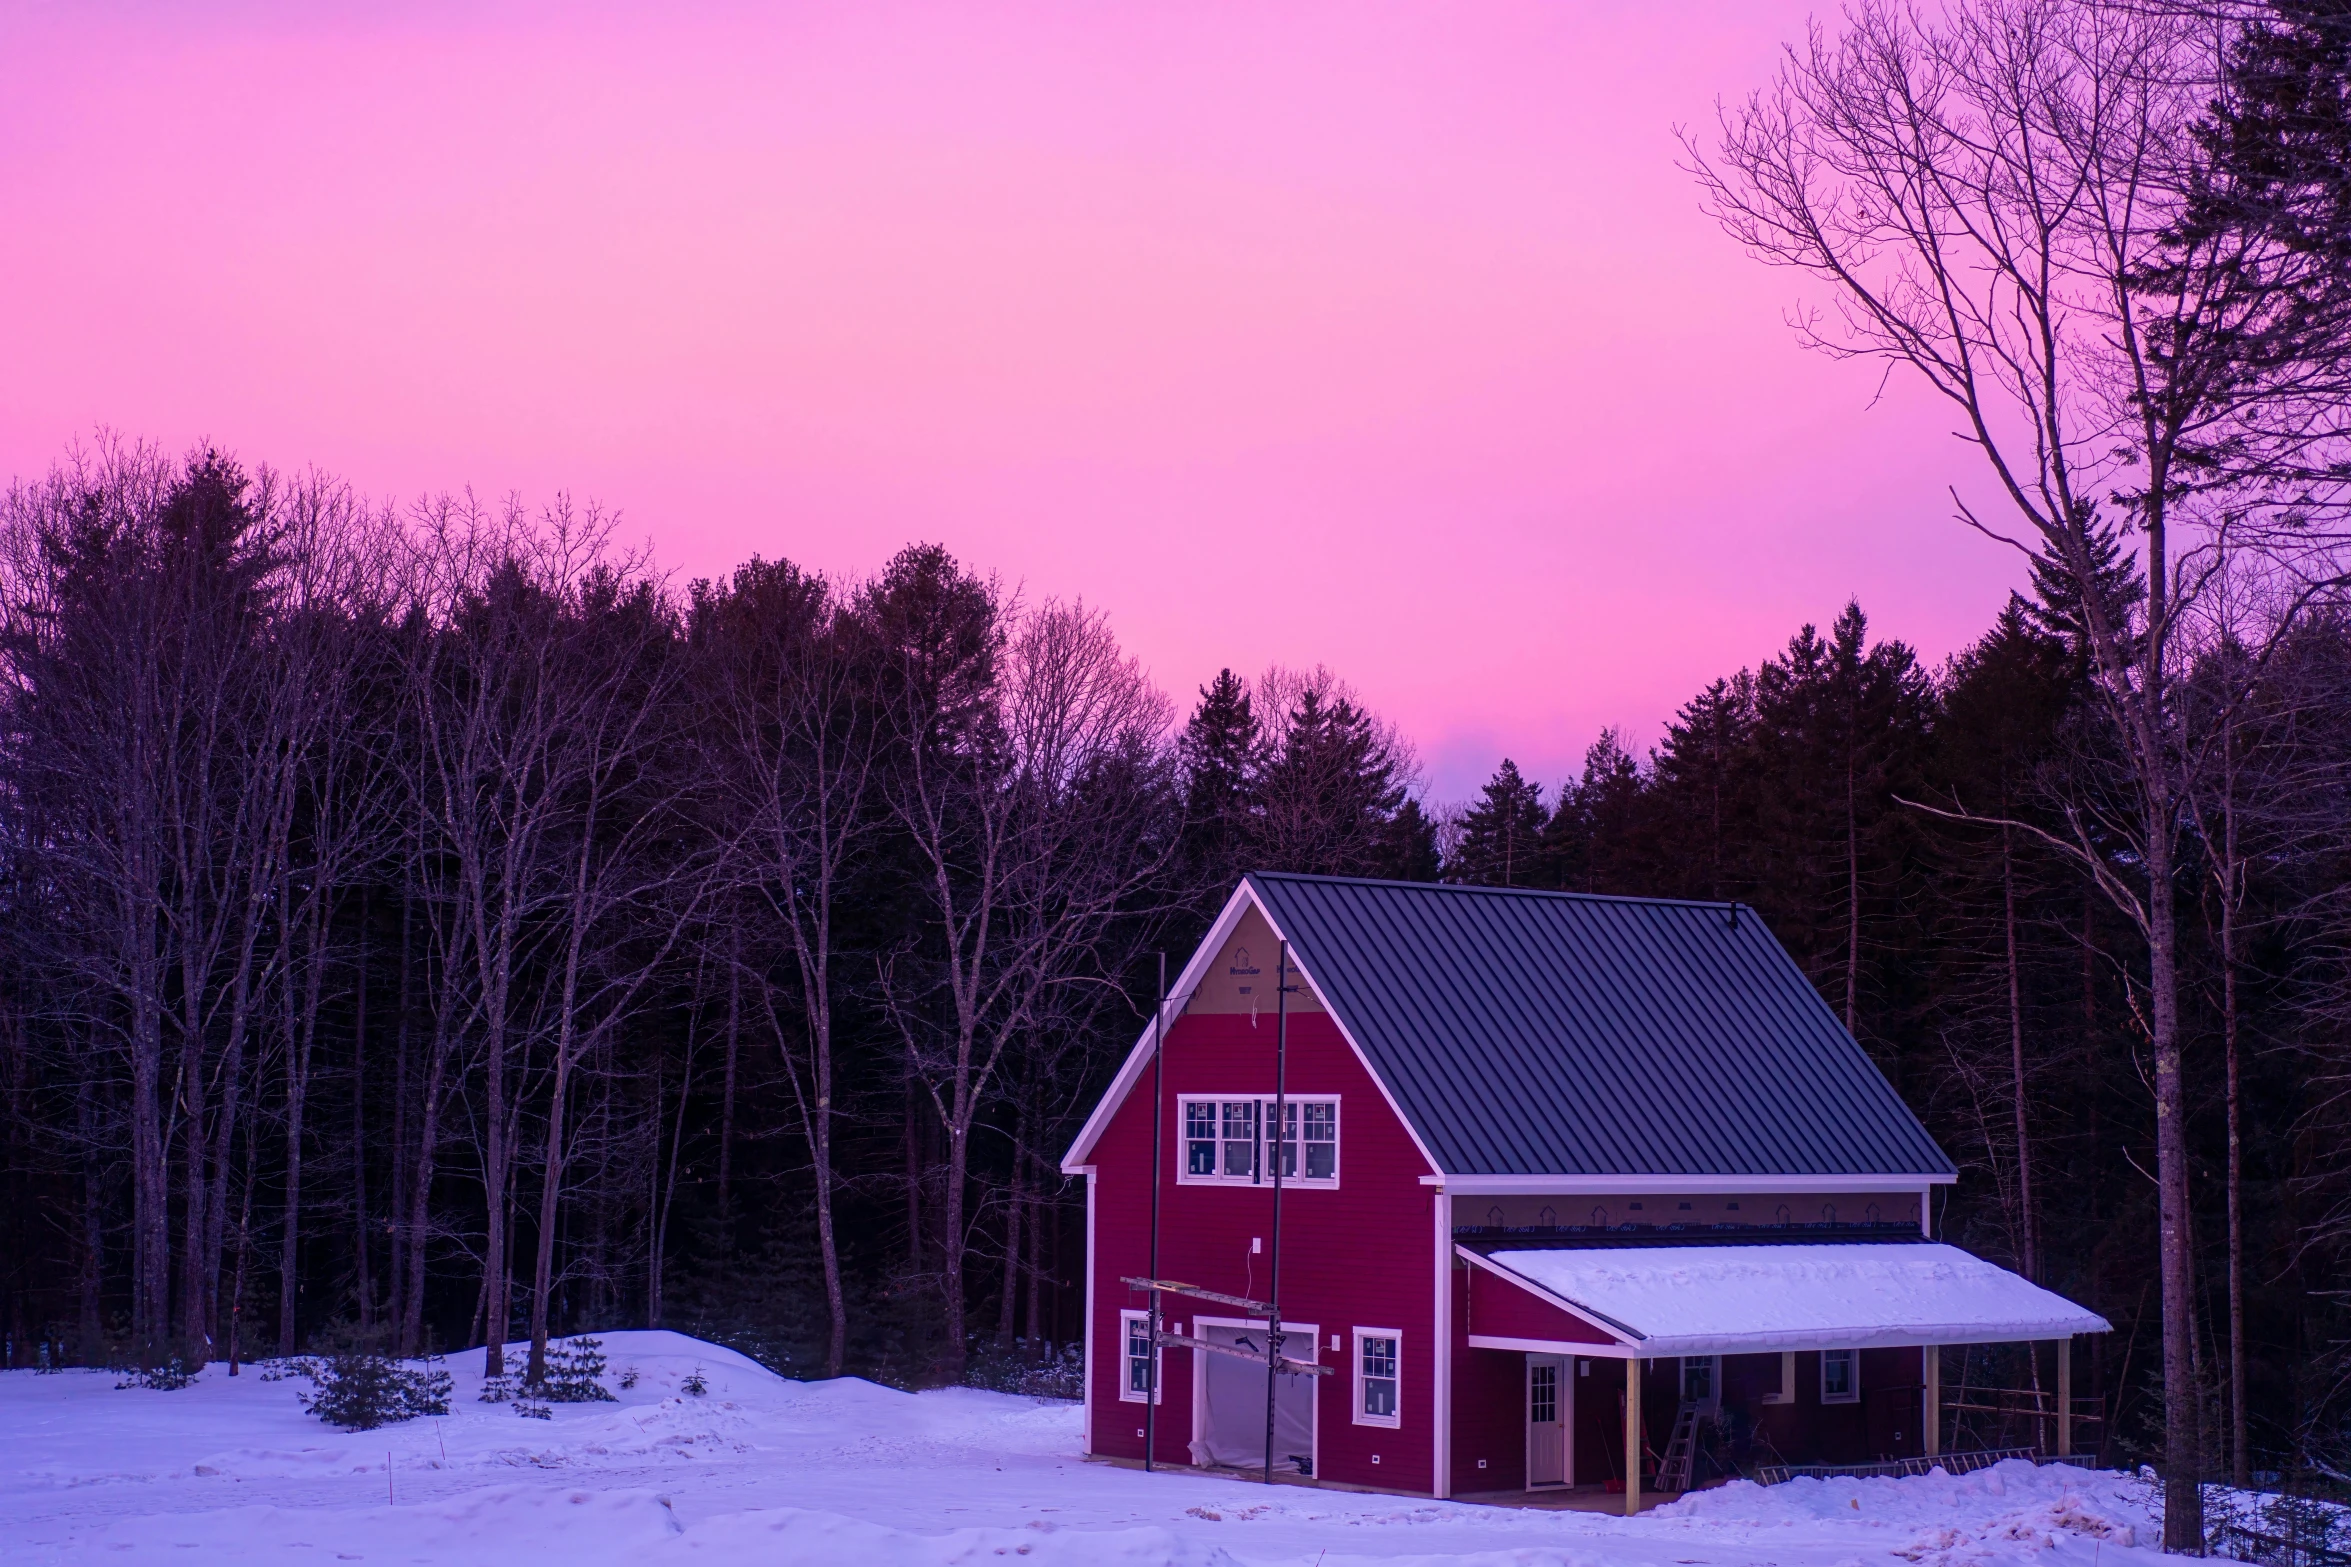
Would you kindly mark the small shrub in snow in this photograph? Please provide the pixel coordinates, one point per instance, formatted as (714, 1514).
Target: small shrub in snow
(628, 1379)
(498, 1389)
(694, 1384)
(1038, 1370)
(573, 1367)
(361, 1390)
(169, 1377)
(530, 1411)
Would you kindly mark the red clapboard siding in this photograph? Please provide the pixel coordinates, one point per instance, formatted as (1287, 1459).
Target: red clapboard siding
(1358, 1256)
(1498, 1308)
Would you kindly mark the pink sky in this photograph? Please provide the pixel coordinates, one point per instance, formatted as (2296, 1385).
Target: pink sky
(1379, 336)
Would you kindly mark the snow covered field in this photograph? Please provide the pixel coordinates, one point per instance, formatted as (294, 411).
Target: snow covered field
(781, 1474)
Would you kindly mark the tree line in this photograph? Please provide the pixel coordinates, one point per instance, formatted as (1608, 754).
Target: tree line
(430, 924)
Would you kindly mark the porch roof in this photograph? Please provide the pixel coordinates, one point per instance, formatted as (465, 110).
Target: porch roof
(1712, 1300)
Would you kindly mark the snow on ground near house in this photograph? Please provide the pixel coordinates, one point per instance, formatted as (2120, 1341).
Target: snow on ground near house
(1703, 1300)
(763, 1472)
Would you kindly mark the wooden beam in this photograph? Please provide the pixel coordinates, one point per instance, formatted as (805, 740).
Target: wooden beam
(1632, 1438)
(1285, 1365)
(1933, 1356)
(1254, 1307)
(2065, 1398)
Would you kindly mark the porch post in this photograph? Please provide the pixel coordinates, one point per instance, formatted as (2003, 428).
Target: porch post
(1932, 1354)
(2065, 1398)
(1632, 1437)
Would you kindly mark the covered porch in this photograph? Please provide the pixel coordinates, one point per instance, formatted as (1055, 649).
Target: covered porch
(1762, 1359)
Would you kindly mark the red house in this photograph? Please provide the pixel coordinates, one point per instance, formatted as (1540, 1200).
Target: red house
(1534, 1146)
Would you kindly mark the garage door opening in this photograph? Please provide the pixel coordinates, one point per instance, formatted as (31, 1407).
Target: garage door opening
(1229, 1399)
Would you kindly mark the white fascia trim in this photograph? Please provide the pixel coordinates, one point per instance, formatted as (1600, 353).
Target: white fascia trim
(1621, 1332)
(1348, 1035)
(1913, 1337)
(1547, 1346)
(1601, 1185)
(1093, 1262)
(1131, 1069)
(1754, 1344)
(1441, 1351)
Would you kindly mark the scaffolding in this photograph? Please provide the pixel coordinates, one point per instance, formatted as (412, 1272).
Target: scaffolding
(1280, 1144)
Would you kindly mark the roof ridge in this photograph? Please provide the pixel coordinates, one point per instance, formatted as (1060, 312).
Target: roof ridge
(1514, 892)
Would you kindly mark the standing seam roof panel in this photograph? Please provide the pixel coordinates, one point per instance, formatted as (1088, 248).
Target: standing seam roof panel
(1561, 1034)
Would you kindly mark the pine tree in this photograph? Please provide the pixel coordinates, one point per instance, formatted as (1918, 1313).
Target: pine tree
(1598, 839)
(1705, 792)
(1222, 750)
(1331, 786)
(2056, 605)
(1841, 727)
(1410, 850)
(1502, 835)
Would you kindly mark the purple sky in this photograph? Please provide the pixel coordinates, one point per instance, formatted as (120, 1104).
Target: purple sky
(1385, 337)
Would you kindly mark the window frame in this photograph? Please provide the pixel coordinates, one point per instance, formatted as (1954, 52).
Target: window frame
(1852, 1393)
(1713, 1393)
(1267, 1141)
(1395, 1339)
(1127, 1393)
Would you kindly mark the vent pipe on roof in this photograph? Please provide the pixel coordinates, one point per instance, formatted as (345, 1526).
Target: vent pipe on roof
(1733, 907)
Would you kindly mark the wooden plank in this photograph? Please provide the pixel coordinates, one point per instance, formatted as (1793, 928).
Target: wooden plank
(1283, 1366)
(1632, 1438)
(2065, 1398)
(1933, 1356)
(1171, 1287)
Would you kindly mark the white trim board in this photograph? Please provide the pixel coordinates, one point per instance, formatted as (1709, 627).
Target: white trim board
(1909, 1185)
(1139, 1057)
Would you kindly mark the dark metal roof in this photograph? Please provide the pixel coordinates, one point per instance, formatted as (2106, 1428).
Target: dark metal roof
(1486, 1239)
(1550, 1033)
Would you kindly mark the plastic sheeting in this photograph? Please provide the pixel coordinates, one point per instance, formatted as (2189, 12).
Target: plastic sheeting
(1232, 1424)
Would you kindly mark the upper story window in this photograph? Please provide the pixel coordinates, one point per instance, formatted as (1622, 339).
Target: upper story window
(1231, 1141)
(1698, 1372)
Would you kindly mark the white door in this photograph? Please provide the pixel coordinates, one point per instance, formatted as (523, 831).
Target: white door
(1550, 1399)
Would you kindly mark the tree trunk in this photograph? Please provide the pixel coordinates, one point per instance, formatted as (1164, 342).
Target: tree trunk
(2183, 1505)
(1008, 1307)
(1852, 882)
(567, 1050)
(420, 1190)
(363, 1279)
(1039, 1177)
(92, 1350)
(151, 1194)
(726, 1102)
(395, 1219)
(2028, 1234)
(2240, 1460)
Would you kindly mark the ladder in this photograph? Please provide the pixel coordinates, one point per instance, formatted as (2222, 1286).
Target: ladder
(1681, 1450)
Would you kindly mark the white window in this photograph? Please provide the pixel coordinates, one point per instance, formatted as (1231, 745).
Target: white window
(1379, 1381)
(1141, 1360)
(1698, 1379)
(1231, 1142)
(1840, 1379)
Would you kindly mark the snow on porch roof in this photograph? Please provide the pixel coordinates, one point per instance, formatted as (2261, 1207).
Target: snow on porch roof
(1710, 1300)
